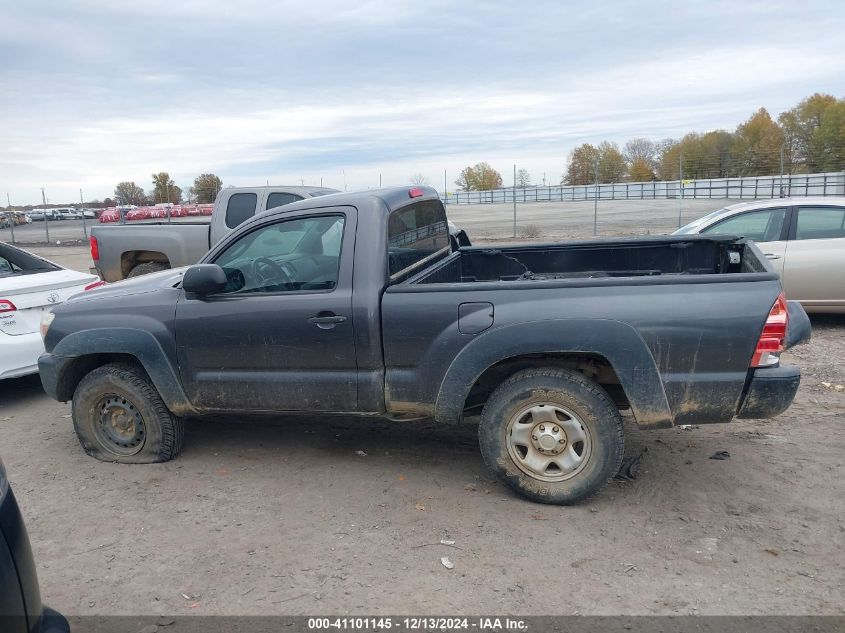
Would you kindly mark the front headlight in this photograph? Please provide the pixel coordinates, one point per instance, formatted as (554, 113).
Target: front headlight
(46, 319)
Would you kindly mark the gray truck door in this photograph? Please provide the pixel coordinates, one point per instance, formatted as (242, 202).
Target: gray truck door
(280, 337)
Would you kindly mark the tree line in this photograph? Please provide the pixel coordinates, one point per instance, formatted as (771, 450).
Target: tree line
(203, 191)
(808, 138)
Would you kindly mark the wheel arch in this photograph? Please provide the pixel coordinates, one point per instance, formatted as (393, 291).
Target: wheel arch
(611, 350)
(81, 352)
(130, 259)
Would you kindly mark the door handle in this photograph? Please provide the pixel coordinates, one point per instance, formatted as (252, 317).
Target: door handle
(771, 256)
(326, 320)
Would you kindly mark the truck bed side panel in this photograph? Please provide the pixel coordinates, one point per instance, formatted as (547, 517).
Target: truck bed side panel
(686, 344)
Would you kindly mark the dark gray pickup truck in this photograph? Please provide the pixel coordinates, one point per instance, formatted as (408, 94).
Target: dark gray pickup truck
(364, 304)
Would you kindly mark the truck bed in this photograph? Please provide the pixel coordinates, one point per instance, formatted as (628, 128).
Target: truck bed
(638, 257)
(681, 316)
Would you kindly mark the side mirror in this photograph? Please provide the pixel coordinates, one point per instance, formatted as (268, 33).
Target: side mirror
(204, 279)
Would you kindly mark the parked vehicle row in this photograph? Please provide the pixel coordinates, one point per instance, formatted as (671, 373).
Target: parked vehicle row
(159, 211)
(69, 213)
(16, 218)
(364, 304)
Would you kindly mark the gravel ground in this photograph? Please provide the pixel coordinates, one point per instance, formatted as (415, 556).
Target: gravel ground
(343, 515)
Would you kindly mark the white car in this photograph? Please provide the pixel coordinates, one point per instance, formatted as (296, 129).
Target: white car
(29, 286)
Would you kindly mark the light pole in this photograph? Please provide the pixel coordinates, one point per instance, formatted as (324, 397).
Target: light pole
(82, 211)
(596, 202)
(44, 201)
(514, 201)
(11, 217)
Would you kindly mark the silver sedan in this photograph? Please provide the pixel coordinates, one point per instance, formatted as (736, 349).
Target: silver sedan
(803, 237)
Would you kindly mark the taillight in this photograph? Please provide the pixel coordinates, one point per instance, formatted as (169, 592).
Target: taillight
(770, 344)
(95, 249)
(96, 284)
(7, 306)
(415, 192)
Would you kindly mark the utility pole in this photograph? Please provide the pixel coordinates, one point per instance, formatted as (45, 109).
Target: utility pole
(379, 180)
(44, 201)
(445, 188)
(680, 186)
(514, 200)
(11, 217)
(596, 203)
(781, 171)
(344, 178)
(82, 210)
(168, 201)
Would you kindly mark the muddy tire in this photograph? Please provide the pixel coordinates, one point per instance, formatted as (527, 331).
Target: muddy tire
(118, 416)
(552, 435)
(146, 268)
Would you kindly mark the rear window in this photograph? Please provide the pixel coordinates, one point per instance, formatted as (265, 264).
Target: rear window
(240, 208)
(820, 223)
(280, 199)
(14, 261)
(414, 233)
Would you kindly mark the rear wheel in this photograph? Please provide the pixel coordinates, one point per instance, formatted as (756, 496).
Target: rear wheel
(551, 434)
(146, 268)
(118, 416)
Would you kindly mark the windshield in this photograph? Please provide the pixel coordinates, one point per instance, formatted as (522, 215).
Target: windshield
(695, 225)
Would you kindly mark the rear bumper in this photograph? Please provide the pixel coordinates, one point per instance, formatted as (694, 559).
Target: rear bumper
(770, 391)
(19, 354)
(50, 368)
(799, 329)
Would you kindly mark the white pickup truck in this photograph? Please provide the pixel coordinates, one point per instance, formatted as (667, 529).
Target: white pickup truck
(128, 250)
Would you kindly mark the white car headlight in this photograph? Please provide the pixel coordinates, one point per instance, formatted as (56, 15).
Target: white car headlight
(46, 319)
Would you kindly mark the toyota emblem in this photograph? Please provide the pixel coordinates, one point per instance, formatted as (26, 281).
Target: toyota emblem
(52, 297)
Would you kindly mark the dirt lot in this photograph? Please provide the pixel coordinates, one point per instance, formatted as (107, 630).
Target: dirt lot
(288, 516)
(569, 220)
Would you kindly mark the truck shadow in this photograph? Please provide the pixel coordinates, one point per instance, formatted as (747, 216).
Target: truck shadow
(827, 321)
(674, 465)
(21, 391)
(334, 438)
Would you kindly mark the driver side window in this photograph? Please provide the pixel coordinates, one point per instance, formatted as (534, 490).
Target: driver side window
(760, 226)
(288, 256)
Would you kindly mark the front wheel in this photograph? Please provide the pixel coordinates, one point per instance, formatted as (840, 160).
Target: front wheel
(119, 416)
(552, 435)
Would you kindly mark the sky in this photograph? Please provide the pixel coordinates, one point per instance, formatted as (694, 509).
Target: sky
(94, 92)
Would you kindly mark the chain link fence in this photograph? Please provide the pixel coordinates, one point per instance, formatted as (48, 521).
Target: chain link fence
(747, 188)
(624, 208)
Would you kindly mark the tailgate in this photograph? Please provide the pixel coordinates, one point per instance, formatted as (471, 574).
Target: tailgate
(33, 294)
